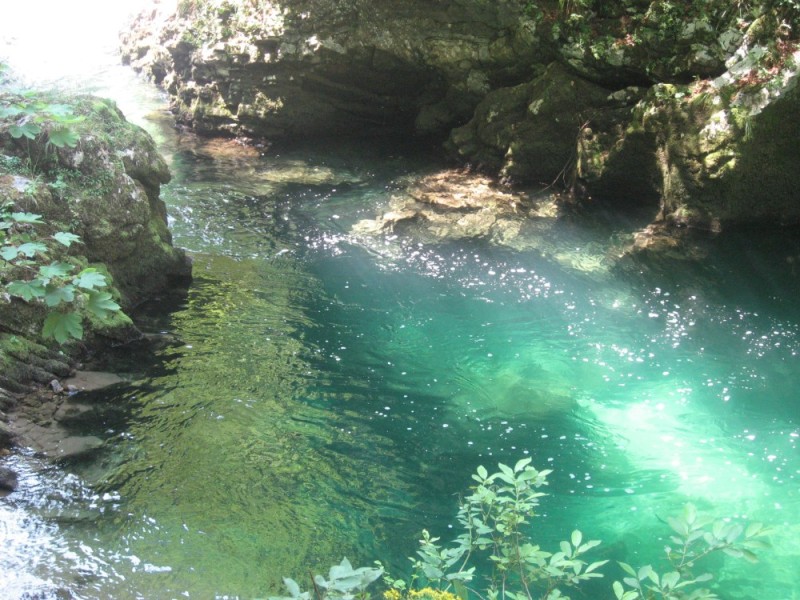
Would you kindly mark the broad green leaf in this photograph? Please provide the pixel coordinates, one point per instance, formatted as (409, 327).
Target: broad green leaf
(595, 565)
(89, 279)
(9, 253)
(482, 472)
(56, 294)
(679, 525)
(66, 239)
(734, 552)
(343, 569)
(54, 270)
(670, 580)
(588, 546)
(10, 111)
(644, 572)
(506, 470)
(63, 136)
(30, 249)
(521, 464)
(57, 110)
(26, 217)
(632, 581)
(27, 290)
(291, 587)
(734, 532)
(62, 327)
(576, 538)
(28, 130)
(689, 513)
(100, 304)
(618, 589)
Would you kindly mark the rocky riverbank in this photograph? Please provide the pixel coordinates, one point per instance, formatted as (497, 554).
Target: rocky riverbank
(689, 110)
(99, 180)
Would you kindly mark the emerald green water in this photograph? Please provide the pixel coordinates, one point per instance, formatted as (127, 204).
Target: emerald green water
(323, 395)
(320, 394)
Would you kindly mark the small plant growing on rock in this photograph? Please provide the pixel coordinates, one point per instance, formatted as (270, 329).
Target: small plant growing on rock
(28, 273)
(30, 119)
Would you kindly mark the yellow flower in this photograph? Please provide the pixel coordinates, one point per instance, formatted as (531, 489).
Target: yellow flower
(392, 594)
(431, 594)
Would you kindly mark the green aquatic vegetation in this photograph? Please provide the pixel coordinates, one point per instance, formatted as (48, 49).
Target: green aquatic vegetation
(29, 272)
(496, 519)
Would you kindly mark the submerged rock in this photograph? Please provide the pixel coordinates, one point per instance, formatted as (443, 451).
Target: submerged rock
(8, 480)
(452, 205)
(91, 380)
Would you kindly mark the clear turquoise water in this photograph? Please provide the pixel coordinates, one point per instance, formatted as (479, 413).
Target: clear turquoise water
(323, 394)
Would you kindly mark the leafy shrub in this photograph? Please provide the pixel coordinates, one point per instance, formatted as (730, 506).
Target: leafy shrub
(27, 272)
(496, 518)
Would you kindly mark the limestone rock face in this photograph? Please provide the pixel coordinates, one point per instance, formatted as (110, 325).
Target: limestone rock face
(285, 70)
(527, 133)
(683, 108)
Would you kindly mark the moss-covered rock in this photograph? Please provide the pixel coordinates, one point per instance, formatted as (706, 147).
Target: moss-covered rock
(298, 68)
(102, 183)
(684, 107)
(528, 132)
(105, 189)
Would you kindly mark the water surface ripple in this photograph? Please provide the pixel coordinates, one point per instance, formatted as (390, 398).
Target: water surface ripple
(325, 394)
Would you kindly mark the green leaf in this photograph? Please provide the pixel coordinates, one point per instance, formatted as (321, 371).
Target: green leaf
(101, 304)
(10, 111)
(689, 513)
(89, 279)
(734, 552)
(644, 572)
(670, 580)
(63, 136)
(576, 538)
(28, 130)
(753, 529)
(26, 217)
(9, 253)
(58, 110)
(66, 239)
(62, 327)
(679, 525)
(618, 589)
(55, 295)
(482, 472)
(54, 270)
(506, 471)
(30, 249)
(521, 464)
(588, 546)
(27, 290)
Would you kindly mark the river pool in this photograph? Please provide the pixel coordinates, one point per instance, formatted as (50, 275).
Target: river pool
(320, 393)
